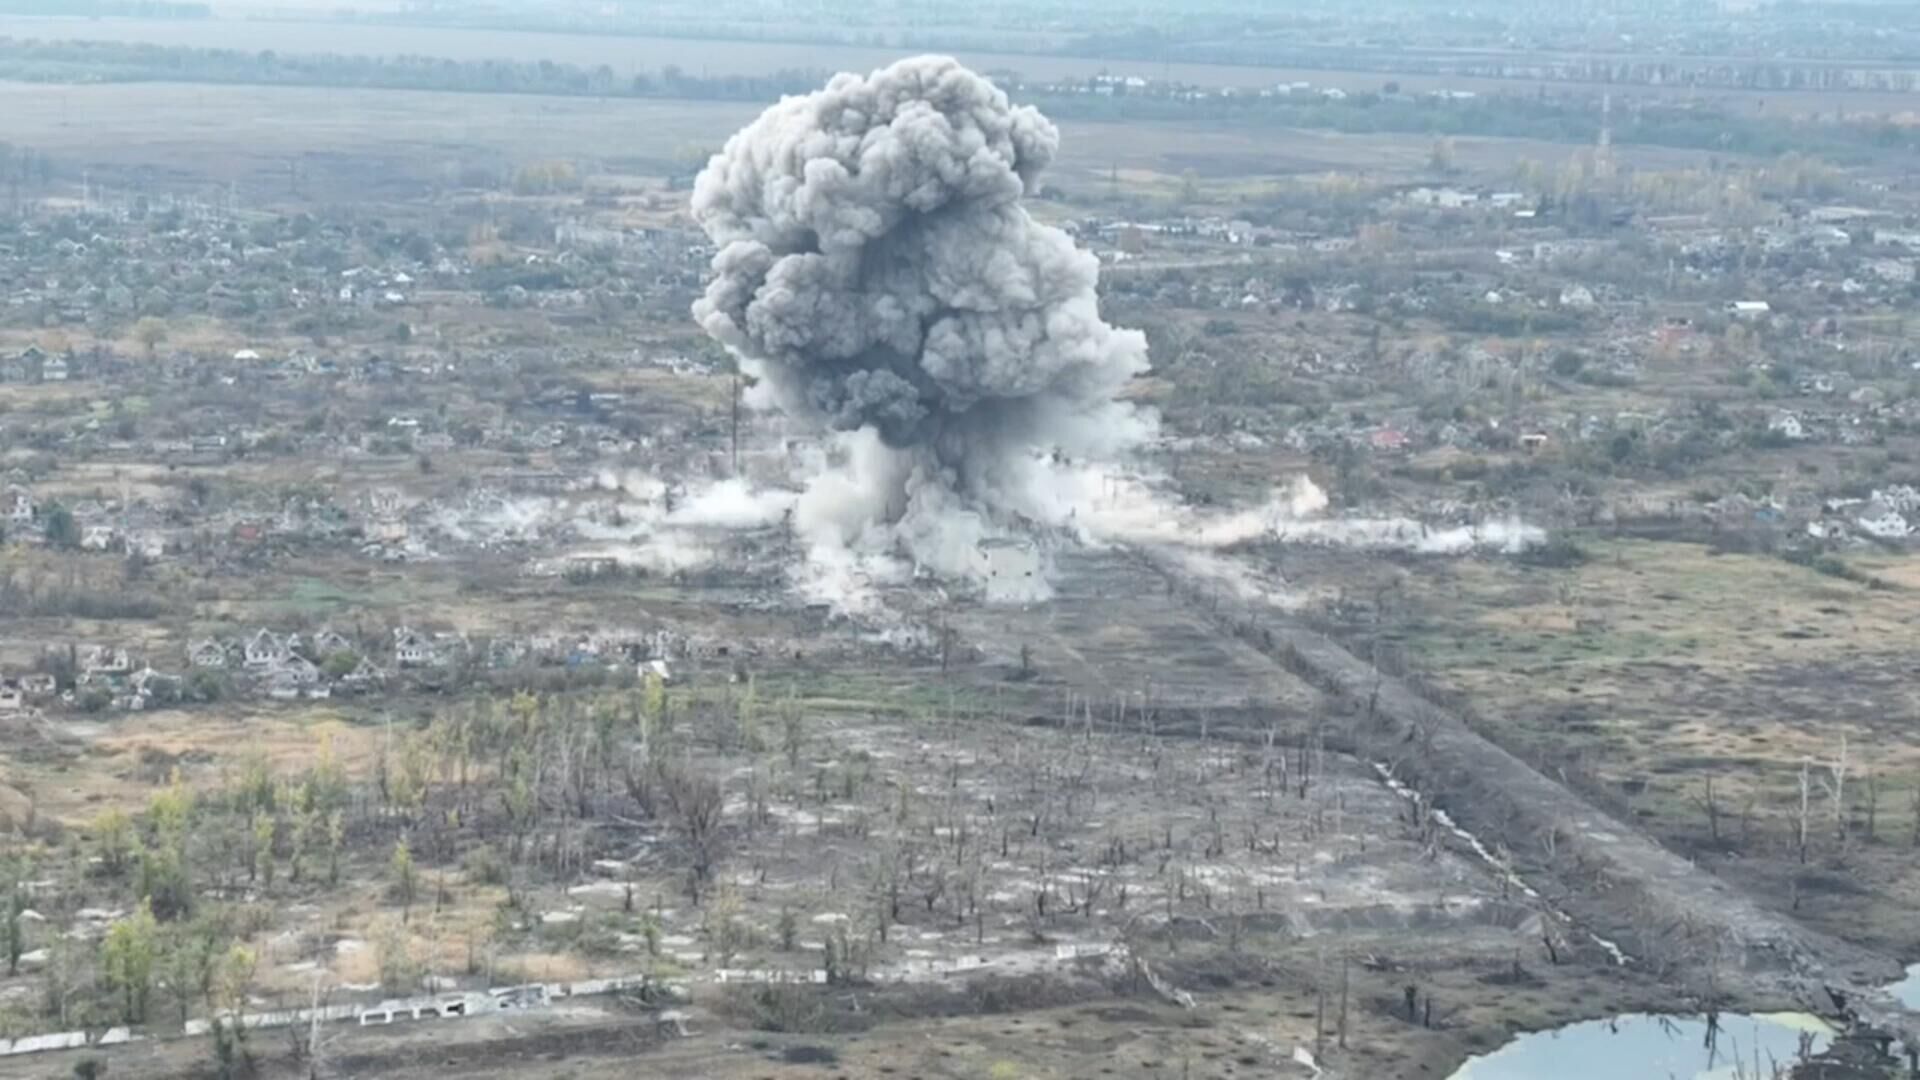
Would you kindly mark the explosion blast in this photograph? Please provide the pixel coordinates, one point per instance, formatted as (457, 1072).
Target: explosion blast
(878, 274)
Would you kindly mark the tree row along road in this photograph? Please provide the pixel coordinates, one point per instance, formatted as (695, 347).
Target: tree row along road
(1681, 921)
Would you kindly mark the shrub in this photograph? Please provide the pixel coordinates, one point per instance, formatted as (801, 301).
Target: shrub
(1559, 552)
(484, 866)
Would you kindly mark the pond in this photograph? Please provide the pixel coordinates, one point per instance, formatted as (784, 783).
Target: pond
(1907, 990)
(1640, 1046)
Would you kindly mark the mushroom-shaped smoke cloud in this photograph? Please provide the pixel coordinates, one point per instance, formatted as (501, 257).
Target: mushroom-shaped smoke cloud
(878, 273)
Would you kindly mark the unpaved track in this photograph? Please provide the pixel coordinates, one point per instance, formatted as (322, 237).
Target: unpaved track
(1665, 910)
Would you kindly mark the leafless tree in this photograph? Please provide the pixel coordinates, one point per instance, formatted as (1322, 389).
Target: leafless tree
(1800, 817)
(1835, 785)
(1873, 804)
(693, 801)
(1708, 803)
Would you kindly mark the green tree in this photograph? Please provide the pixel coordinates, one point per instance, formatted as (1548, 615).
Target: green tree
(11, 928)
(207, 685)
(62, 532)
(400, 870)
(115, 839)
(394, 952)
(150, 332)
(749, 717)
(188, 955)
(162, 882)
(336, 839)
(232, 977)
(169, 810)
(653, 704)
(306, 824)
(127, 959)
(263, 849)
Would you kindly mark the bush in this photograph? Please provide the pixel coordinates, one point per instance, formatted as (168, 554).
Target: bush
(484, 866)
(791, 1010)
(1834, 566)
(1559, 552)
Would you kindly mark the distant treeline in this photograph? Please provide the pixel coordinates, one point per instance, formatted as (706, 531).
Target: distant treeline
(1525, 116)
(94, 9)
(1572, 119)
(116, 61)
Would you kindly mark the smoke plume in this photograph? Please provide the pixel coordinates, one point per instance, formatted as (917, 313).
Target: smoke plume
(878, 274)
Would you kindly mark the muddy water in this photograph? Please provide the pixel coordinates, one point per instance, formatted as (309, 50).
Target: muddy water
(1643, 1047)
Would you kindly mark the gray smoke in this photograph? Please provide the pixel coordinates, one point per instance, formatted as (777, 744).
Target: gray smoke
(877, 271)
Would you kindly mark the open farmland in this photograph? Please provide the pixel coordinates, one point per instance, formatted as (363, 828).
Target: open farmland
(1687, 687)
(627, 55)
(338, 138)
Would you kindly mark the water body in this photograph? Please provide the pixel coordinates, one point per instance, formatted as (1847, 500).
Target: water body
(1907, 990)
(1639, 1046)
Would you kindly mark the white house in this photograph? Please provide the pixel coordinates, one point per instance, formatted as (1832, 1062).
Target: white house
(1896, 271)
(302, 671)
(1012, 570)
(1883, 522)
(1749, 309)
(329, 641)
(207, 653)
(264, 650)
(146, 681)
(148, 545)
(17, 506)
(102, 660)
(411, 648)
(1788, 425)
(1443, 198)
(364, 674)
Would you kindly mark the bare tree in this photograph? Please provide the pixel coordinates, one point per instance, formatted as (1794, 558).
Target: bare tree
(1708, 803)
(693, 802)
(1800, 818)
(1873, 804)
(1835, 785)
(308, 1047)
